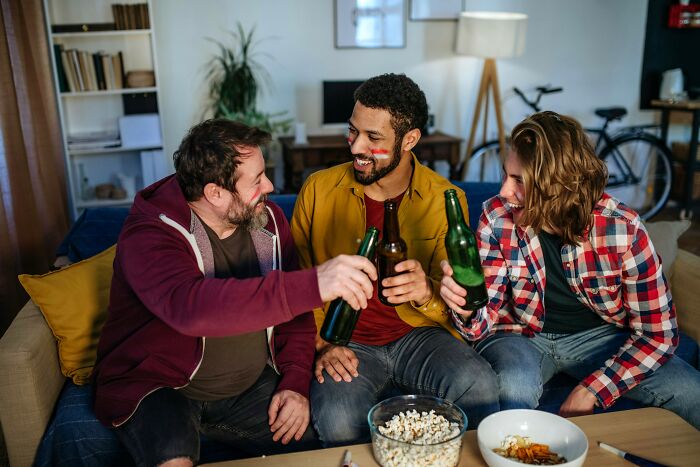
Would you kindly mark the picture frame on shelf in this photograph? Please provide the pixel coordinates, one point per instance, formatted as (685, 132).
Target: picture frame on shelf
(372, 27)
(436, 10)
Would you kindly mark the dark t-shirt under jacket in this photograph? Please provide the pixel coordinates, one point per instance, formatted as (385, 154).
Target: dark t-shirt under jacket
(230, 365)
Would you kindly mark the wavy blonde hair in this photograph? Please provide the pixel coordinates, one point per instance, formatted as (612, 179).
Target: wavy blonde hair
(563, 177)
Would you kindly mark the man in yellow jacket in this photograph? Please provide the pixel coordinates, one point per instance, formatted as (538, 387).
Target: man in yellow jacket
(410, 347)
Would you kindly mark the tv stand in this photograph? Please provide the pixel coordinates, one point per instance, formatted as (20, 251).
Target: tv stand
(329, 150)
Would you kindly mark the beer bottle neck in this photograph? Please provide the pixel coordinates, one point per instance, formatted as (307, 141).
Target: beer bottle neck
(391, 223)
(455, 217)
(369, 243)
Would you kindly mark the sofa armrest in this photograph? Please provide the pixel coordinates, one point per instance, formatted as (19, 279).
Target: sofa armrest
(30, 382)
(686, 292)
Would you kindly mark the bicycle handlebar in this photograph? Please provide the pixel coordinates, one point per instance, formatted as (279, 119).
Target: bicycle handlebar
(541, 90)
(546, 90)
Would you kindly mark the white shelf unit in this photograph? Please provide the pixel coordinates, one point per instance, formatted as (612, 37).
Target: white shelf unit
(93, 111)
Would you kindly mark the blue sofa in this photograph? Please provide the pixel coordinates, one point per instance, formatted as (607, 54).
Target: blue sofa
(75, 437)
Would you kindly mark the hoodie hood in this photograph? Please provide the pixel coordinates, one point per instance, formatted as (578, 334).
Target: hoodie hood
(163, 197)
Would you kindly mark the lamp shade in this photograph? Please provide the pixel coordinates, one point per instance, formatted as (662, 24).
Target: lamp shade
(489, 34)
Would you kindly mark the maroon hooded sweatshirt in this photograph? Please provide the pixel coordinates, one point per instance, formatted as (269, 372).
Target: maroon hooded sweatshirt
(164, 299)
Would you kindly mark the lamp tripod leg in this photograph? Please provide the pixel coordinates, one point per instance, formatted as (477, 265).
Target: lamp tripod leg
(497, 106)
(483, 86)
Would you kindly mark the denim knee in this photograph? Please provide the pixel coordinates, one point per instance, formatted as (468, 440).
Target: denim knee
(339, 414)
(519, 388)
(481, 397)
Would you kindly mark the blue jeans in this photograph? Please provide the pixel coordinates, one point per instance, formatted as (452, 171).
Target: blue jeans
(523, 365)
(167, 425)
(427, 361)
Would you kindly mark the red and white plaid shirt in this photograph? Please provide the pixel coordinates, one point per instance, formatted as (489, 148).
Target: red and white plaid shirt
(615, 271)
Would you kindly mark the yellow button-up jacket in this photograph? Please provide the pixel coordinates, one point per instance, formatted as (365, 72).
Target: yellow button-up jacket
(329, 219)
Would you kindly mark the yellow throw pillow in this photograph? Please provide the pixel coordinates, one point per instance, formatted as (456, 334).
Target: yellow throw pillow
(74, 303)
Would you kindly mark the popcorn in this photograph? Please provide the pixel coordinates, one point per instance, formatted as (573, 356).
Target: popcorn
(425, 433)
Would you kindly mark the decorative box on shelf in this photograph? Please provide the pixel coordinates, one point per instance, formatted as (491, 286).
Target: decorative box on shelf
(684, 16)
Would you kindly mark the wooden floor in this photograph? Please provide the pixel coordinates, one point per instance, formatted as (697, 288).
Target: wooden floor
(690, 240)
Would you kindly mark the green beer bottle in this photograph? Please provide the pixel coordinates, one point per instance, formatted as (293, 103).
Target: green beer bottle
(463, 254)
(392, 249)
(341, 318)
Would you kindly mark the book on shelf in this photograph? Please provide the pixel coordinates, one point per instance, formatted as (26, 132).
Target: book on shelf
(118, 70)
(145, 20)
(108, 71)
(82, 71)
(131, 16)
(76, 68)
(61, 74)
(99, 73)
(67, 66)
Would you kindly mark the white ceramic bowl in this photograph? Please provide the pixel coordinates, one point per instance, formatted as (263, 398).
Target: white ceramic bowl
(562, 436)
(391, 452)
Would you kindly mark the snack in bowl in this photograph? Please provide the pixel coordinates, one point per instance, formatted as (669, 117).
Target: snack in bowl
(560, 435)
(416, 430)
(523, 449)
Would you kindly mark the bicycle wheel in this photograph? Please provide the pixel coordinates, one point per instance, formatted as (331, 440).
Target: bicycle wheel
(639, 172)
(485, 163)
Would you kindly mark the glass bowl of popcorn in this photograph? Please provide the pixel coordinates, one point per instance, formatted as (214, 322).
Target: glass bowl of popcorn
(416, 430)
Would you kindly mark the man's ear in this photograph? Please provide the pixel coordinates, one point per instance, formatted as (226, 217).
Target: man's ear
(214, 194)
(410, 139)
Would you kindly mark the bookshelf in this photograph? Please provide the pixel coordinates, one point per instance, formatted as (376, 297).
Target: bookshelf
(104, 64)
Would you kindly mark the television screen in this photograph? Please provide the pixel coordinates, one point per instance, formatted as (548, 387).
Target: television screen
(338, 101)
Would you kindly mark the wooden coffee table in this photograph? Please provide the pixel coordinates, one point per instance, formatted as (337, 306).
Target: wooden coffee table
(656, 434)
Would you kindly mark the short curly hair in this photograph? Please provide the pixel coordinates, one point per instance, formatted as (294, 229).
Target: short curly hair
(209, 154)
(398, 95)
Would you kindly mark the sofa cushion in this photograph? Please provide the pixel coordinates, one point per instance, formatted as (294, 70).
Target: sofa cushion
(95, 230)
(74, 303)
(664, 235)
(76, 438)
(477, 193)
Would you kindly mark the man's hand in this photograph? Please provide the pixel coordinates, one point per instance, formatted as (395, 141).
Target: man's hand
(338, 361)
(288, 415)
(453, 294)
(580, 401)
(347, 277)
(411, 283)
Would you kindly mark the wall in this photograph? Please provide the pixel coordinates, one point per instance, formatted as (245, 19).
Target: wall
(593, 48)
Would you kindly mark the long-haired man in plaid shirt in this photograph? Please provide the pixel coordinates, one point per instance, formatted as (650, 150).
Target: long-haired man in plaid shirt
(575, 284)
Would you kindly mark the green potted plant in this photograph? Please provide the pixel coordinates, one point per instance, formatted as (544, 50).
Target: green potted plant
(236, 79)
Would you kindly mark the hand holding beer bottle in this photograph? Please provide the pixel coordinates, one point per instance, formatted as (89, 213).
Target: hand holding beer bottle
(341, 318)
(400, 280)
(392, 249)
(463, 285)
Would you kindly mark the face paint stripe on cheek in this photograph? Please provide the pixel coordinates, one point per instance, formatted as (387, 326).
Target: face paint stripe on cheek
(255, 195)
(380, 153)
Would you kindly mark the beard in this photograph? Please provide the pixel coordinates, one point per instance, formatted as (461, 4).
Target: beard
(246, 215)
(377, 174)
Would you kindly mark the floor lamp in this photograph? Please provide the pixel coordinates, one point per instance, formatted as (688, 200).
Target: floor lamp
(489, 35)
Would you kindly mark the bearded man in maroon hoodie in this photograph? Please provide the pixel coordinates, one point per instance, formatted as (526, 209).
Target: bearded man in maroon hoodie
(209, 327)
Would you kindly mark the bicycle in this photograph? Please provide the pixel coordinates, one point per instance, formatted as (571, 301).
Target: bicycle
(640, 171)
